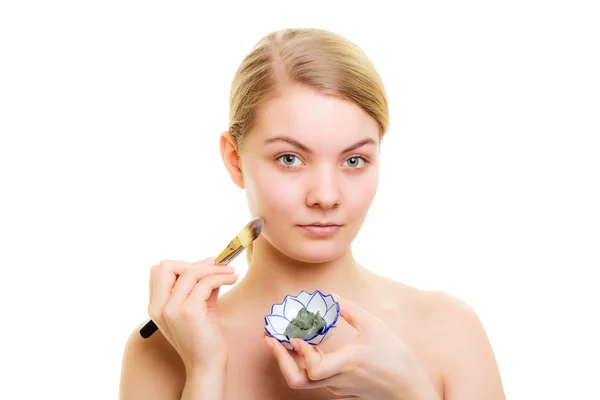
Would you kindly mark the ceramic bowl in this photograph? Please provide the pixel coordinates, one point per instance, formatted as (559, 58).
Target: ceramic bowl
(283, 313)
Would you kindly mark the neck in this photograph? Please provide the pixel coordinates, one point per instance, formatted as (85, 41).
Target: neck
(272, 275)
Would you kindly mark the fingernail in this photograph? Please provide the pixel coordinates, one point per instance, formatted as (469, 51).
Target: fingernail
(269, 342)
(295, 344)
(274, 342)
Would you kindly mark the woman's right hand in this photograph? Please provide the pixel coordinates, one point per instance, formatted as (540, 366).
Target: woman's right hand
(183, 304)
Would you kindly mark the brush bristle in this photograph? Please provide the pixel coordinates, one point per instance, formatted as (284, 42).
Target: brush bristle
(256, 227)
(251, 231)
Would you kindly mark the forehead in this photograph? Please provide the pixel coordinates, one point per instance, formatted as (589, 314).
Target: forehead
(312, 117)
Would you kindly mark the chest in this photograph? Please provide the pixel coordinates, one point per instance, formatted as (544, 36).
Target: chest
(253, 372)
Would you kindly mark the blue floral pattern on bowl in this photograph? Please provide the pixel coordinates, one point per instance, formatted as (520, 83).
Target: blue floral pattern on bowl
(282, 314)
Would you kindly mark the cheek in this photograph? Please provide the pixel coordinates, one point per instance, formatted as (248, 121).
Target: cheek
(357, 202)
(273, 193)
(270, 194)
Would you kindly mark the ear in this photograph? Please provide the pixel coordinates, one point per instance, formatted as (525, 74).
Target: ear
(231, 158)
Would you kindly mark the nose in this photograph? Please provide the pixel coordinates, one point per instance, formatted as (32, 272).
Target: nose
(324, 188)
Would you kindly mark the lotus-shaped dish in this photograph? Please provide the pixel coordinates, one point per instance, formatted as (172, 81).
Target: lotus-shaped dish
(282, 314)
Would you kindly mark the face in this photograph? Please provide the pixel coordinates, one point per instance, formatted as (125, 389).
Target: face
(311, 159)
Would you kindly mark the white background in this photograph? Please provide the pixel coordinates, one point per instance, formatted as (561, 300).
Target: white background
(109, 118)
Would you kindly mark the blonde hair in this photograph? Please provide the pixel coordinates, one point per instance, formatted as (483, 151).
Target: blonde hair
(318, 58)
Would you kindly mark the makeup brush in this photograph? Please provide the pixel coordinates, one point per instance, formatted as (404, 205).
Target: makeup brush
(242, 240)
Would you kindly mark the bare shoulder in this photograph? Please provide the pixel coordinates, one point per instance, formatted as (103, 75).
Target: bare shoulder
(465, 354)
(455, 339)
(151, 368)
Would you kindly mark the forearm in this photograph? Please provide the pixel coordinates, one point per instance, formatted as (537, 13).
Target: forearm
(205, 385)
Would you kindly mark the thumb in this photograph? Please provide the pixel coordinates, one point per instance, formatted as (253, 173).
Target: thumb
(356, 316)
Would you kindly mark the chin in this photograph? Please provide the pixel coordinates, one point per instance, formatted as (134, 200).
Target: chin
(314, 251)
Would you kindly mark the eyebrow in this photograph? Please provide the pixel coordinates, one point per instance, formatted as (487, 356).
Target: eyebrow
(302, 147)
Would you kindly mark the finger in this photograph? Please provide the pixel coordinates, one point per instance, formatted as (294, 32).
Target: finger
(320, 366)
(151, 283)
(310, 354)
(157, 272)
(356, 316)
(296, 377)
(188, 280)
(162, 280)
(204, 288)
(208, 260)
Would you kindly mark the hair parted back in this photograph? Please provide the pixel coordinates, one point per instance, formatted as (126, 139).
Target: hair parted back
(314, 57)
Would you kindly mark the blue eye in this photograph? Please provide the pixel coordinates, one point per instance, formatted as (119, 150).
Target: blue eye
(288, 160)
(354, 162)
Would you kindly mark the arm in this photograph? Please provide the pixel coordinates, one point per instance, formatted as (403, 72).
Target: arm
(152, 369)
(471, 370)
(204, 385)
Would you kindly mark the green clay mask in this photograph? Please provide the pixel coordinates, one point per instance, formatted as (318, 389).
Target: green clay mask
(305, 325)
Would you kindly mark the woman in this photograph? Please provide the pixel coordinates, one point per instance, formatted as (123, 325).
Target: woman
(308, 111)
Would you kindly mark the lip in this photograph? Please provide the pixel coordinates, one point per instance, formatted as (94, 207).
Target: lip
(320, 229)
(319, 223)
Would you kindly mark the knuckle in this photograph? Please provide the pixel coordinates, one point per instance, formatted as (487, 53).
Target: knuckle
(194, 274)
(313, 373)
(169, 264)
(207, 280)
(357, 364)
(154, 273)
(294, 382)
(169, 314)
(185, 274)
(154, 312)
(187, 311)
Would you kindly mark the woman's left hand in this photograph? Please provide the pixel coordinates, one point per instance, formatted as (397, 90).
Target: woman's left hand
(376, 365)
